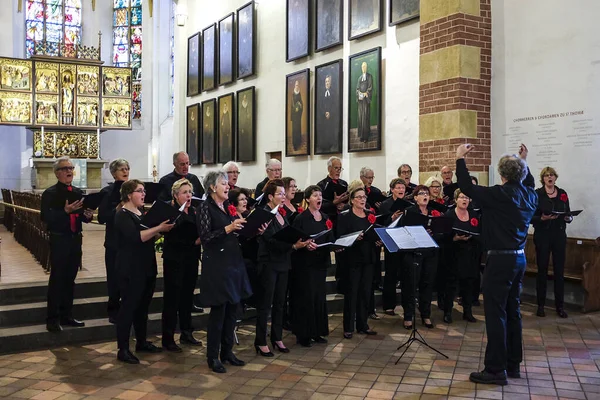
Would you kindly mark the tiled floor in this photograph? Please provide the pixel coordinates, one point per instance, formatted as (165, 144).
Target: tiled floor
(561, 361)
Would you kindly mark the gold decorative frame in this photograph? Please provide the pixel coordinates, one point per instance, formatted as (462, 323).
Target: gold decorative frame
(73, 144)
(88, 111)
(46, 77)
(116, 113)
(68, 81)
(88, 80)
(46, 109)
(15, 74)
(15, 108)
(116, 82)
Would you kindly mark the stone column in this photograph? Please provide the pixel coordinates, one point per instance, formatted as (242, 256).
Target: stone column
(455, 80)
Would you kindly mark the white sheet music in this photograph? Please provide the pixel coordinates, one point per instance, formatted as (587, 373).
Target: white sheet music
(403, 239)
(344, 241)
(421, 237)
(395, 223)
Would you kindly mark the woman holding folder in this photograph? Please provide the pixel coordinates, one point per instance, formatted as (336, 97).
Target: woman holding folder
(358, 261)
(181, 253)
(308, 288)
(136, 269)
(274, 263)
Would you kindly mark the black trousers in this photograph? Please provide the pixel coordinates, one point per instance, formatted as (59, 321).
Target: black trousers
(309, 305)
(137, 292)
(272, 289)
(219, 335)
(356, 298)
(112, 282)
(419, 268)
(65, 259)
(180, 282)
(393, 266)
(550, 241)
(502, 281)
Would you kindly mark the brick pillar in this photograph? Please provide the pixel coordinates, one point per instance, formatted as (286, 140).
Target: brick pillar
(455, 80)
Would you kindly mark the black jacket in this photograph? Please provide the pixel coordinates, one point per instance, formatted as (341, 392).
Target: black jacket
(169, 179)
(53, 210)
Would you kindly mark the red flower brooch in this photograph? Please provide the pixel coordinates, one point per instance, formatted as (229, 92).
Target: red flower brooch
(282, 211)
(329, 224)
(372, 210)
(440, 200)
(474, 222)
(299, 210)
(435, 213)
(371, 218)
(232, 210)
(563, 197)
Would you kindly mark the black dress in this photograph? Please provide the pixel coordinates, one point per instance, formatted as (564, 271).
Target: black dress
(393, 263)
(136, 269)
(308, 283)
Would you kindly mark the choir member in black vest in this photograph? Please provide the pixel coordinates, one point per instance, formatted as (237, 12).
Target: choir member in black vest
(464, 257)
(223, 281)
(423, 265)
(233, 173)
(181, 253)
(119, 169)
(136, 269)
(273, 168)
(63, 221)
(550, 236)
(393, 261)
(333, 202)
(181, 162)
(405, 172)
(358, 262)
(309, 287)
(274, 263)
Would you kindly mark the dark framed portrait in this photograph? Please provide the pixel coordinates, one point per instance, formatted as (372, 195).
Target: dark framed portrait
(193, 67)
(225, 108)
(403, 10)
(192, 126)
(364, 18)
(364, 103)
(209, 132)
(297, 26)
(226, 49)
(329, 29)
(245, 137)
(297, 113)
(328, 107)
(209, 57)
(246, 40)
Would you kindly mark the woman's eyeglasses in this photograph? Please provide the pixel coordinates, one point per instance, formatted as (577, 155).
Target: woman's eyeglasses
(140, 191)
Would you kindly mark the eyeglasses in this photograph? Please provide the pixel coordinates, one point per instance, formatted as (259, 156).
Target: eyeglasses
(369, 177)
(463, 197)
(338, 169)
(405, 172)
(275, 169)
(71, 168)
(360, 197)
(234, 172)
(140, 191)
(423, 194)
(124, 169)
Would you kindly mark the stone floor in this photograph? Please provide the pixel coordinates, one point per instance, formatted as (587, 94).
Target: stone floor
(561, 361)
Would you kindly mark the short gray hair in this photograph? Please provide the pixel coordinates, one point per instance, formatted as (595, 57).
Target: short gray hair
(176, 155)
(364, 170)
(212, 178)
(512, 168)
(116, 164)
(332, 159)
(272, 161)
(230, 164)
(58, 161)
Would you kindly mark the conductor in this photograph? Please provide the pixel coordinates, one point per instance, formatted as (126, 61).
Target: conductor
(507, 210)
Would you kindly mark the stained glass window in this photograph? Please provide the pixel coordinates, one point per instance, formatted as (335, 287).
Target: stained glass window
(127, 45)
(172, 58)
(56, 22)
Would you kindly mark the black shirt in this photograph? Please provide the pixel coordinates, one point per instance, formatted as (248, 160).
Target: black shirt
(318, 258)
(546, 205)
(362, 251)
(259, 188)
(506, 209)
(134, 257)
(272, 252)
(106, 214)
(53, 210)
(180, 242)
(328, 207)
(372, 193)
(169, 179)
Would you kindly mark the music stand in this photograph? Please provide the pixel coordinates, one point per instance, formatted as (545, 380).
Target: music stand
(414, 239)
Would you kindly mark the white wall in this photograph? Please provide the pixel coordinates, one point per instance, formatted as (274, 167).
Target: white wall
(546, 64)
(400, 107)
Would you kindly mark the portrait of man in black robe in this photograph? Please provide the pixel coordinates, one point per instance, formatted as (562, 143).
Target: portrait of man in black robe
(364, 92)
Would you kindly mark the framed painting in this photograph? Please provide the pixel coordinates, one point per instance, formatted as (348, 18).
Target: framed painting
(209, 129)
(328, 108)
(297, 26)
(209, 57)
(246, 40)
(116, 82)
(364, 103)
(403, 10)
(364, 18)
(329, 29)
(193, 67)
(192, 143)
(88, 78)
(88, 111)
(116, 113)
(15, 108)
(46, 109)
(15, 74)
(46, 78)
(297, 113)
(245, 137)
(226, 49)
(225, 128)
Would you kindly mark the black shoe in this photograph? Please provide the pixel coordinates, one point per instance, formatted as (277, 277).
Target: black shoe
(429, 325)
(71, 322)
(374, 316)
(562, 313)
(368, 332)
(262, 353)
(408, 327)
(489, 378)
(147, 347)
(320, 339)
(281, 349)
(304, 342)
(112, 320)
(233, 360)
(540, 312)
(127, 357)
(514, 373)
(172, 347)
(447, 318)
(216, 365)
(467, 316)
(188, 338)
(347, 335)
(197, 310)
(53, 327)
